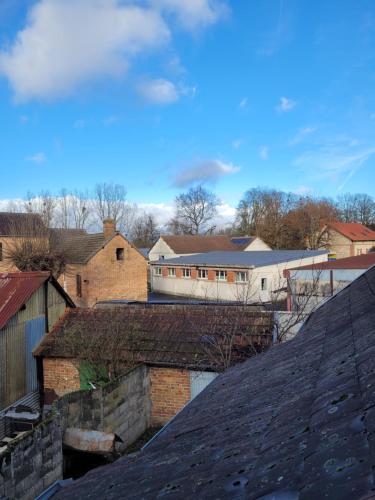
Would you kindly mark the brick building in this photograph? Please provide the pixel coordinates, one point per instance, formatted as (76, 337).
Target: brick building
(183, 347)
(102, 266)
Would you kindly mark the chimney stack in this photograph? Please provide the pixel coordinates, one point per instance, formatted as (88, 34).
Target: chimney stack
(109, 228)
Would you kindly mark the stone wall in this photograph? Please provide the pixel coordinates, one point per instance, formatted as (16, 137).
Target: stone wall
(170, 392)
(32, 462)
(122, 407)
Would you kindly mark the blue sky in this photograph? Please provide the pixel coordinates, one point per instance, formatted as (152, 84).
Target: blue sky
(159, 94)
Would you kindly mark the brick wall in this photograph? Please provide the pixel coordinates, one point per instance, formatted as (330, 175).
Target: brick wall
(60, 377)
(170, 391)
(106, 278)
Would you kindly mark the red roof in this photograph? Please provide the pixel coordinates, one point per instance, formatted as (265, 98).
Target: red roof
(353, 230)
(186, 243)
(15, 291)
(364, 261)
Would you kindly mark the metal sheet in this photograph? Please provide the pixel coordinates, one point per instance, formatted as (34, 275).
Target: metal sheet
(34, 331)
(199, 381)
(15, 386)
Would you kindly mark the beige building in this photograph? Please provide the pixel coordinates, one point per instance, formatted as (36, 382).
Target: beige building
(103, 266)
(349, 239)
(172, 246)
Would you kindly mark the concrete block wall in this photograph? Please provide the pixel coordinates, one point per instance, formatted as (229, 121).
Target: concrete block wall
(122, 407)
(33, 462)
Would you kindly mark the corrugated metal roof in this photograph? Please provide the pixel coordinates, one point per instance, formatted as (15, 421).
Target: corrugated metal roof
(15, 291)
(353, 231)
(364, 261)
(242, 259)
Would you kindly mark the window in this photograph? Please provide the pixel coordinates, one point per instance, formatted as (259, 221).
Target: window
(186, 273)
(78, 285)
(172, 272)
(263, 284)
(241, 276)
(158, 271)
(221, 275)
(202, 274)
(359, 251)
(1, 251)
(119, 253)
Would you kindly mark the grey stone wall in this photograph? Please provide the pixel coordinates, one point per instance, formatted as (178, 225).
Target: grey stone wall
(122, 407)
(33, 462)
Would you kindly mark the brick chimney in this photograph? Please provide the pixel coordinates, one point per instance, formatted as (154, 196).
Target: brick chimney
(109, 228)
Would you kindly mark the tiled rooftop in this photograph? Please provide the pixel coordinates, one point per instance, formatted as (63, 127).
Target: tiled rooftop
(297, 422)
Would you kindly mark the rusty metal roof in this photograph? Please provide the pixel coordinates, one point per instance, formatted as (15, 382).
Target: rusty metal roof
(17, 288)
(364, 261)
(296, 422)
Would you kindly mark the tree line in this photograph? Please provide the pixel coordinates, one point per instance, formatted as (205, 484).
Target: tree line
(281, 219)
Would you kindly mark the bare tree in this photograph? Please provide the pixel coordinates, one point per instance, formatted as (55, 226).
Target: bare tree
(195, 211)
(43, 204)
(110, 202)
(145, 231)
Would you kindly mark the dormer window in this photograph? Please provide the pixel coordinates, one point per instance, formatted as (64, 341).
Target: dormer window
(119, 254)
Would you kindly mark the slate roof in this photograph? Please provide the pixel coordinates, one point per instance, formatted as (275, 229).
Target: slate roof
(354, 231)
(183, 244)
(364, 261)
(17, 288)
(167, 335)
(20, 224)
(296, 422)
(241, 259)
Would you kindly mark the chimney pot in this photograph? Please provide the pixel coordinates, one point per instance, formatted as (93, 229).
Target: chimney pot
(109, 228)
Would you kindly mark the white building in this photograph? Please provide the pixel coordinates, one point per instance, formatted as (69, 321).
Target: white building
(172, 246)
(252, 277)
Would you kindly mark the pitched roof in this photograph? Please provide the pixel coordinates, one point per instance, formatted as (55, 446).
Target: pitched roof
(364, 261)
(182, 244)
(168, 335)
(20, 224)
(17, 288)
(353, 230)
(242, 259)
(294, 422)
(79, 246)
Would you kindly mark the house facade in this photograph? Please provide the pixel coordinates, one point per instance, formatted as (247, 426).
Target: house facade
(250, 277)
(30, 306)
(349, 239)
(103, 266)
(172, 246)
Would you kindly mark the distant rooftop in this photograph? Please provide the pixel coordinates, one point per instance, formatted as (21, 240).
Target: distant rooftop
(364, 261)
(354, 231)
(186, 243)
(242, 259)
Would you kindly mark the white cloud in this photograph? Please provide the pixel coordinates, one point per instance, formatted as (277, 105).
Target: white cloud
(303, 190)
(285, 105)
(159, 91)
(193, 14)
(111, 120)
(204, 171)
(301, 134)
(37, 158)
(68, 42)
(237, 143)
(244, 102)
(263, 153)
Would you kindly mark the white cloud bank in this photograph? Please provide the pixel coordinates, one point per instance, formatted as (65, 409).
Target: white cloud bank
(159, 91)
(68, 42)
(204, 171)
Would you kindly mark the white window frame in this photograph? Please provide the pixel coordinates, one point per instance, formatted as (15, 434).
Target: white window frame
(171, 272)
(205, 271)
(263, 284)
(239, 277)
(186, 272)
(221, 275)
(158, 271)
